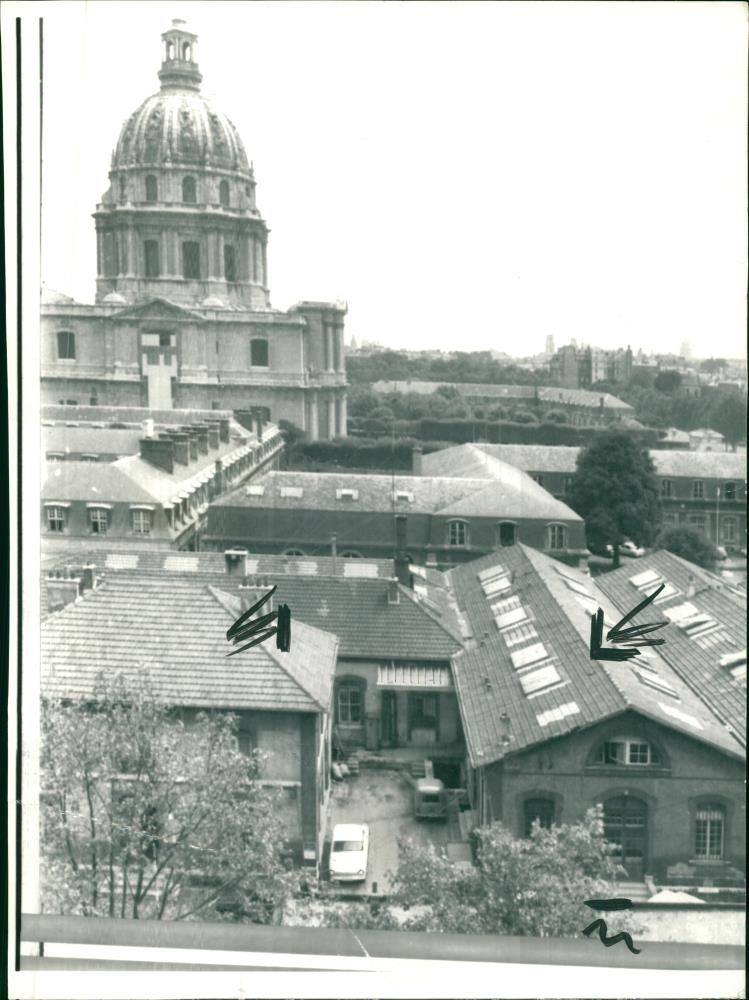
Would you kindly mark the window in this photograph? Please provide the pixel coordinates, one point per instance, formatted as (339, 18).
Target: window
(730, 491)
(223, 193)
(728, 528)
(66, 345)
(623, 751)
(709, 826)
(56, 518)
(142, 522)
(297, 553)
(457, 533)
(230, 263)
(259, 353)
(539, 811)
(667, 488)
(165, 340)
(246, 737)
(557, 536)
(698, 521)
(349, 704)
(698, 489)
(506, 533)
(99, 518)
(670, 519)
(189, 190)
(350, 554)
(151, 258)
(93, 400)
(152, 188)
(190, 260)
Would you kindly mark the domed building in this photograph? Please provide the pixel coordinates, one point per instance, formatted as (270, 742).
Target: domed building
(183, 317)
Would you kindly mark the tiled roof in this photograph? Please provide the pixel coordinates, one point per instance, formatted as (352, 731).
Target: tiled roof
(513, 494)
(697, 659)
(547, 394)
(130, 479)
(535, 679)
(91, 440)
(176, 629)
(563, 458)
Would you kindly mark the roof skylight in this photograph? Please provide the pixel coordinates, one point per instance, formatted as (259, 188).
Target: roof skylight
(541, 679)
(557, 714)
(529, 654)
(514, 617)
(346, 494)
(652, 680)
(519, 633)
(289, 492)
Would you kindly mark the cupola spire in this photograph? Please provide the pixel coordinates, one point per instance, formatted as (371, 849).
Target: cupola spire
(179, 67)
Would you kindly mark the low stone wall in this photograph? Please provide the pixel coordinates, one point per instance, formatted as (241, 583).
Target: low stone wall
(691, 923)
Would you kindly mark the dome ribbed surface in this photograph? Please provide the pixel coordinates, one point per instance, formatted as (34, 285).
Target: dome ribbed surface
(179, 127)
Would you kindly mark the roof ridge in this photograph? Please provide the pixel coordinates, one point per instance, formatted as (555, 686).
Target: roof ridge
(274, 654)
(428, 612)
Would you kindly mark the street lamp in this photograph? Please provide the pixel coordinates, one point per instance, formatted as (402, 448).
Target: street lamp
(717, 517)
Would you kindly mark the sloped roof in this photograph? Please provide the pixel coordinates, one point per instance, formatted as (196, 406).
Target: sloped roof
(91, 440)
(563, 458)
(176, 629)
(698, 663)
(511, 494)
(488, 675)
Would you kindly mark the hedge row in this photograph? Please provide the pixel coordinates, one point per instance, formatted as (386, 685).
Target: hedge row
(363, 453)
(501, 432)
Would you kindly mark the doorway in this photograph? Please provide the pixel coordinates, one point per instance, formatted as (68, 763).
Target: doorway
(389, 719)
(423, 712)
(625, 821)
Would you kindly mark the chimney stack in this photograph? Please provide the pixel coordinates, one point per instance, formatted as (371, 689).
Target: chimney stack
(219, 479)
(402, 562)
(393, 592)
(691, 589)
(235, 559)
(148, 428)
(417, 456)
(88, 578)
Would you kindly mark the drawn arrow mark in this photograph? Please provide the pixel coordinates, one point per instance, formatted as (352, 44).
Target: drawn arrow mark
(623, 636)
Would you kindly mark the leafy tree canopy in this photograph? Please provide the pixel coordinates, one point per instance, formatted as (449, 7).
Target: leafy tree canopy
(144, 816)
(667, 381)
(690, 544)
(615, 490)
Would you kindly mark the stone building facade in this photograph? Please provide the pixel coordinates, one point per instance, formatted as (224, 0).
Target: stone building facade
(183, 317)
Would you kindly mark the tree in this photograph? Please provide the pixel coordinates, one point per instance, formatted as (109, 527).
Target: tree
(615, 490)
(690, 544)
(144, 816)
(667, 381)
(533, 886)
(729, 417)
(556, 417)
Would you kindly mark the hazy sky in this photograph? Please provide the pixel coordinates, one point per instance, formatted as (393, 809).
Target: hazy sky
(464, 175)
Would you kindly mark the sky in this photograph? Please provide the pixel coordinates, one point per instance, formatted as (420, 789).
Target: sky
(464, 175)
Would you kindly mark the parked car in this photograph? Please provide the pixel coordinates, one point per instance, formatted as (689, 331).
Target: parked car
(722, 554)
(349, 852)
(627, 548)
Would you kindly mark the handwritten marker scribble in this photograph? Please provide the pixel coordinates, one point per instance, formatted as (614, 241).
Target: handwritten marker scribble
(243, 628)
(621, 635)
(600, 926)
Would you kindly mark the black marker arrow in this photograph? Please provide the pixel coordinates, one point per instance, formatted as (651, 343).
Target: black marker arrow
(620, 635)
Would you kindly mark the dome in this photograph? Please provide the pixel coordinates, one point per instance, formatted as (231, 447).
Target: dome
(178, 126)
(114, 299)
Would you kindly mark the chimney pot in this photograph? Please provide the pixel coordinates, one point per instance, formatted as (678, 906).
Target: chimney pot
(393, 592)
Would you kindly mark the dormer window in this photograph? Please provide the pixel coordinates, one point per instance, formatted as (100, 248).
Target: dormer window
(189, 190)
(557, 536)
(506, 533)
(627, 752)
(152, 188)
(457, 533)
(347, 494)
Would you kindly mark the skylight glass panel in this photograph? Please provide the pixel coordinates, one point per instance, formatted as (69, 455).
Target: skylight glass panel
(514, 617)
(652, 680)
(666, 594)
(289, 492)
(681, 611)
(557, 714)
(578, 588)
(181, 564)
(487, 574)
(347, 494)
(355, 567)
(255, 491)
(518, 634)
(647, 579)
(498, 585)
(121, 560)
(404, 495)
(307, 568)
(506, 604)
(682, 716)
(733, 659)
(538, 680)
(530, 654)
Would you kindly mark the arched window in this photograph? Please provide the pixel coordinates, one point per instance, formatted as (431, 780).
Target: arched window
(506, 533)
(223, 193)
(151, 258)
(457, 533)
(189, 190)
(540, 810)
(230, 263)
(556, 537)
(627, 751)
(66, 345)
(152, 188)
(190, 260)
(259, 353)
(170, 50)
(186, 51)
(710, 824)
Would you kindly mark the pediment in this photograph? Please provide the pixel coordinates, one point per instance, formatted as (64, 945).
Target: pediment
(158, 309)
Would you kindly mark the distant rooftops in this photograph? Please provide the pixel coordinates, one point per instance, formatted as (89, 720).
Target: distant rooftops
(546, 394)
